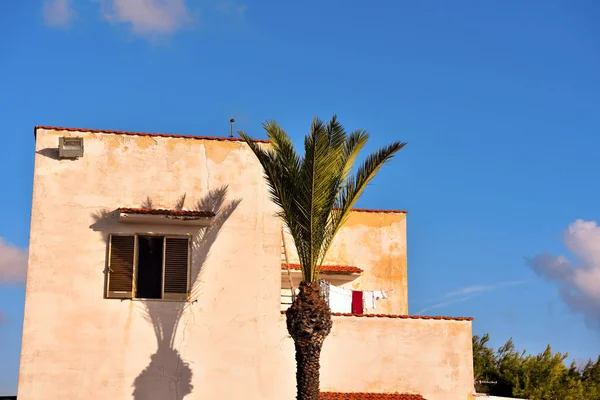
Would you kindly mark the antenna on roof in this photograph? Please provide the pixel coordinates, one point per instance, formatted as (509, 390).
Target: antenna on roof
(231, 128)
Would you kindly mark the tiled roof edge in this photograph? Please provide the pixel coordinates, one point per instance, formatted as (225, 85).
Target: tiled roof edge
(369, 210)
(348, 269)
(167, 135)
(399, 316)
(369, 396)
(152, 211)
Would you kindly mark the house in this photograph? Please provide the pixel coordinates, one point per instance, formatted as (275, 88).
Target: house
(156, 271)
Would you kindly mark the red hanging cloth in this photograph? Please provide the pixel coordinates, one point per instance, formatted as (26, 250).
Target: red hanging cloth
(357, 302)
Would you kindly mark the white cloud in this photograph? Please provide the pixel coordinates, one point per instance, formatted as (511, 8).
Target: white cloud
(579, 283)
(148, 17)
(13, 263)
(58, 13)
(465, 294)
(153, 19)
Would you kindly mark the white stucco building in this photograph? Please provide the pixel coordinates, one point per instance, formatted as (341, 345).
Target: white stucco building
(155, 272)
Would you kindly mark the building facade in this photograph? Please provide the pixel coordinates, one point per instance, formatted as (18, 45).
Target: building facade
(157, 270)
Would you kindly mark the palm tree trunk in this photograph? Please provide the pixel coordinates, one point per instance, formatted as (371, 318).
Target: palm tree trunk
(308, 322)
(307, 371)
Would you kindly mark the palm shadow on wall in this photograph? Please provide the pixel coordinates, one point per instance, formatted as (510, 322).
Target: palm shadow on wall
(168, 376)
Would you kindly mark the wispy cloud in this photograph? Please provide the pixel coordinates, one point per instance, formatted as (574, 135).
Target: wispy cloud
(58, 13)
(476, 289)
(13, 264)
(148, 17)
(466, 293)
(231, 8)
(444, 304)
(578, 283)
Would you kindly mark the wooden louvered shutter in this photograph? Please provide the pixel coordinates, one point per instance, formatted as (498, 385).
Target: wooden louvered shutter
(121, 261)
(176, 278)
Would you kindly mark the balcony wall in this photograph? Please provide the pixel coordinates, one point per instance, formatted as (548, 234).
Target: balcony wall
(386, 355)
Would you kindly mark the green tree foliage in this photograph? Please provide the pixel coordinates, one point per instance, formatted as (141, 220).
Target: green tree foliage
(510, 373)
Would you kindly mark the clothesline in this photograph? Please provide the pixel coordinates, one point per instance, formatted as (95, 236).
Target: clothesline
(384, 290)
(344, 300)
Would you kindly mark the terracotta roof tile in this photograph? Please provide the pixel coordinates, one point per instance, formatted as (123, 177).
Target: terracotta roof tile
(400, 316)
(167, 135)
(369, 396)
(176, 213)
(342, 269)
(369, 210)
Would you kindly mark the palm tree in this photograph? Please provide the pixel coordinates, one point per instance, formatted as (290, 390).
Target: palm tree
(315, 195)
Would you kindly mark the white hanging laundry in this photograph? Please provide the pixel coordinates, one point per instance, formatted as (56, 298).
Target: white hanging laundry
(368, 300)
(324, 289)
(379, 294)
(340, 300)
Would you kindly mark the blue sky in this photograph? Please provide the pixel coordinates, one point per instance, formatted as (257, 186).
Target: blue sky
(498, 101)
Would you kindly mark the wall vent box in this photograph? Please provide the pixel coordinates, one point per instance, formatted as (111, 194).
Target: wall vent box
(70, 147)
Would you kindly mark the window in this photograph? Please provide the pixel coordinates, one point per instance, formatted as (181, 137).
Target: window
(148, 267)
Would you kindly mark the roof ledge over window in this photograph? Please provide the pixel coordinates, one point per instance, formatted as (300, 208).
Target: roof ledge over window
(338, 272)
(165, 217)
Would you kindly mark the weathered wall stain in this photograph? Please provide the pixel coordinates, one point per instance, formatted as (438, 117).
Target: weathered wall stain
(218, 151)
(144, 142)
(115, 141)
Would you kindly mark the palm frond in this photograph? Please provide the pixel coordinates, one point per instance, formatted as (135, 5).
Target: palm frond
(355, 185)
(352, 148)
(316, 192)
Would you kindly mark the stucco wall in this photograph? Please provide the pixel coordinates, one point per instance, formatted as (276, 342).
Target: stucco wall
(76, 344)
(376, 243)
(387, 355)
(231, 341)
(381, 355)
